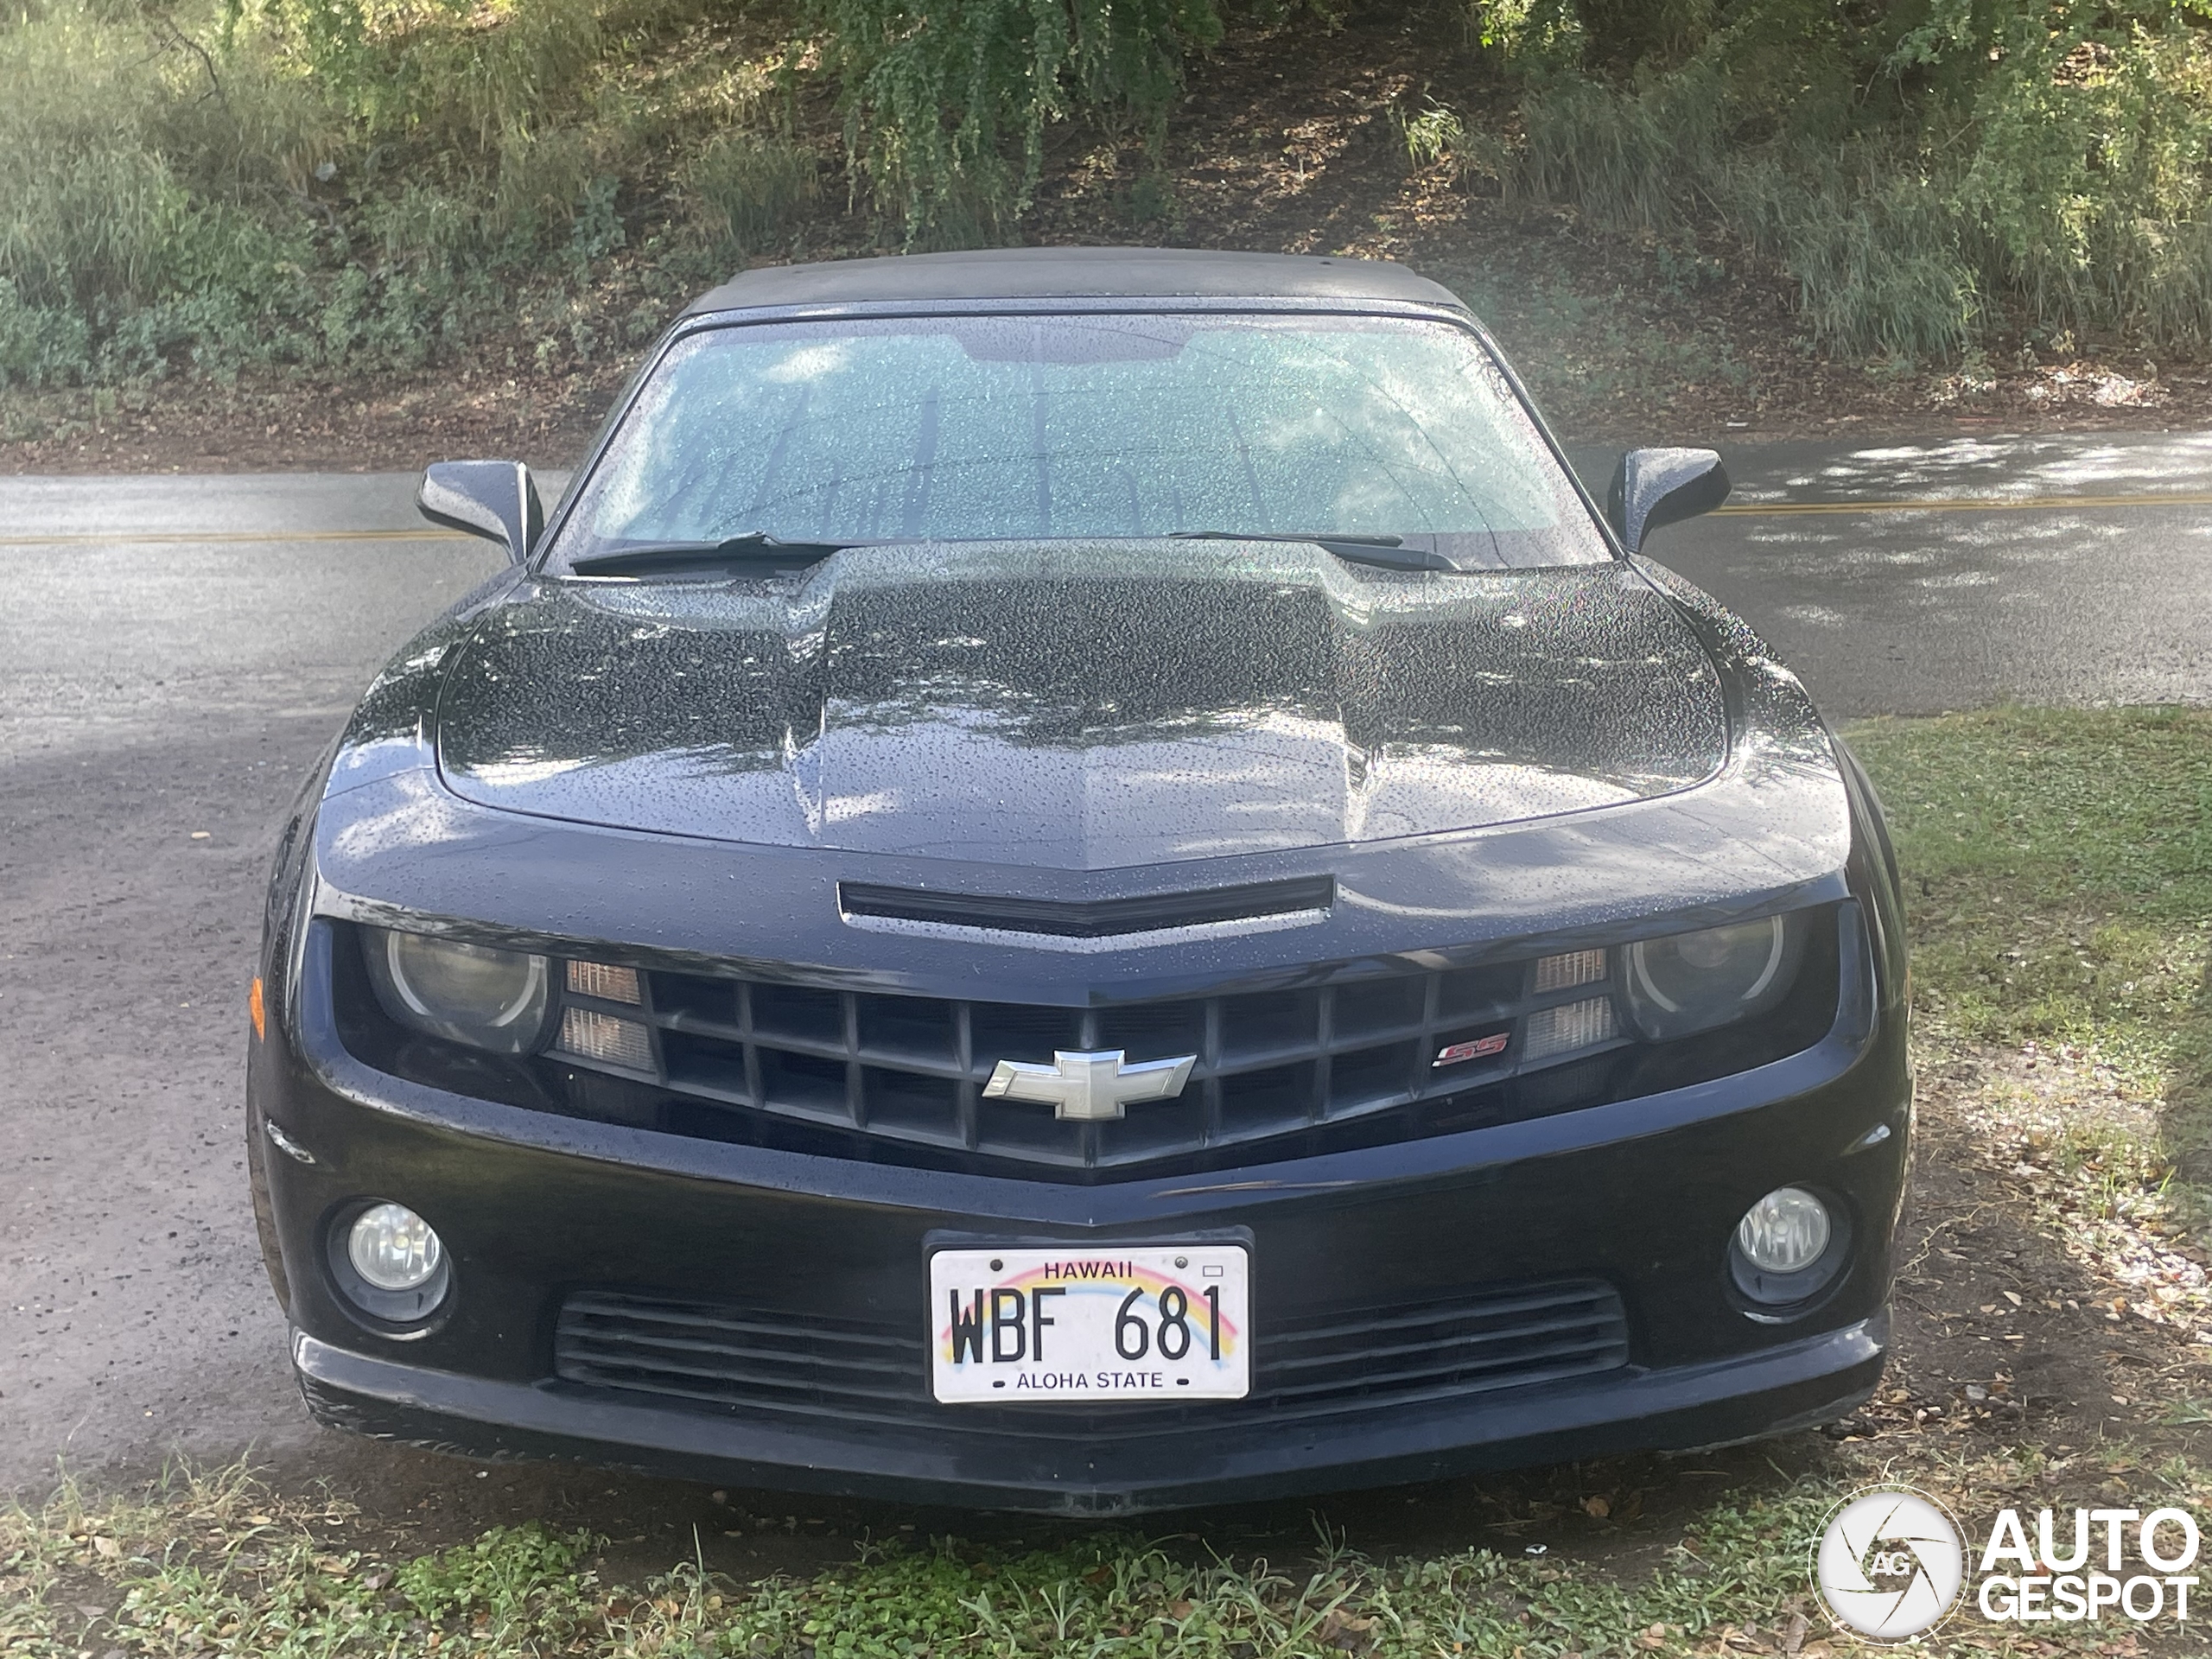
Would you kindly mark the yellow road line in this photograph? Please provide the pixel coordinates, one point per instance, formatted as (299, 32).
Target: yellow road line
(1737, 509)
(233, 538)
(1967, 503)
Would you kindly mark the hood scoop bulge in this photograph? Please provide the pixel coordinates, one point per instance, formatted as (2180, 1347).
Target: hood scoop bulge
(1087, 706)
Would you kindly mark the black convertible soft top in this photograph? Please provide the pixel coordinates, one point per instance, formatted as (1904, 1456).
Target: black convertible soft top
(1074, 273)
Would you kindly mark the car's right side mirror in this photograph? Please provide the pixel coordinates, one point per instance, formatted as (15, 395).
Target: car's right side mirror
(496, 499)
(1652, 487)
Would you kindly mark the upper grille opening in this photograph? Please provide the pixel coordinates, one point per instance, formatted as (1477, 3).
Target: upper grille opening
(909, 1071)
(1098, 919)
(1353, 1060)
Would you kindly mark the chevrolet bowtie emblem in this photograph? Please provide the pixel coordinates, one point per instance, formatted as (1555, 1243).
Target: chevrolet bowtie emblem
(1090, 1088)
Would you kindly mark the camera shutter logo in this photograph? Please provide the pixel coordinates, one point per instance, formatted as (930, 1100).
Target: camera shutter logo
(1890, 1564)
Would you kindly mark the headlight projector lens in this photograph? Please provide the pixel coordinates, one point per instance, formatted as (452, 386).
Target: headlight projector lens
(1788, 1247)
(472, 993)
(1689, 982)
(389, 1263)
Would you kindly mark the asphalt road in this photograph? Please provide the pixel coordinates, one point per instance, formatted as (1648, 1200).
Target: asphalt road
(175, 652)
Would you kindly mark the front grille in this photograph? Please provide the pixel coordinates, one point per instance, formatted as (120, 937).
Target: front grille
(713, 1355)
(912, 1070)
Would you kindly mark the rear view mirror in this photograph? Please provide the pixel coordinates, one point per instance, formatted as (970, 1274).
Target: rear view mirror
(1652, 487)
(496, 500)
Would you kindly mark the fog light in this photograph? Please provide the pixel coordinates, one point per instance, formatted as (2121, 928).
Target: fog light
(393, 1249)
(1786, 1231)
(1789, 1248)
(385, 1260)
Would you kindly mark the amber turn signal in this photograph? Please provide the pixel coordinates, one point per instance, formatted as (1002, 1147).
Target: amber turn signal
(254, 1007)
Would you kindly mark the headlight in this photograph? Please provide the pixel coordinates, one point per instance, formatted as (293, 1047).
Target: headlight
(470, 994)
(1692, 982)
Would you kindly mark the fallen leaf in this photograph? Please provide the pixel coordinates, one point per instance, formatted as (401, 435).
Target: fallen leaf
(1598, 1506)
(1338, 1629)
(1794, 1637)
(106, 1548)
(1179, 1610)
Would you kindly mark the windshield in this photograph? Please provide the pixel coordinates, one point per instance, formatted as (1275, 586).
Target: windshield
(966, 429)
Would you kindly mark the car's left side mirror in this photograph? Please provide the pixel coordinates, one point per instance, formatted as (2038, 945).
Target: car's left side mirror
(1652, 487)
(496, 500)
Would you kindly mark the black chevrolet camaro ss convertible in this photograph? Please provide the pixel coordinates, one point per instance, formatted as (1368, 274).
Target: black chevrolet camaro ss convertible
(1081, 880)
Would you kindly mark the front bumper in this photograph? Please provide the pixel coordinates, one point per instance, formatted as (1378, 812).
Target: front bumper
(1642, 1195)
(1794, 1386)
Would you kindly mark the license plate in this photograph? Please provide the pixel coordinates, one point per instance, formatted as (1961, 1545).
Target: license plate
(1131, 1322)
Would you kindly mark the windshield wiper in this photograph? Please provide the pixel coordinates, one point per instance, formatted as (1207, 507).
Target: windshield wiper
(754, 545)
(1388, 551)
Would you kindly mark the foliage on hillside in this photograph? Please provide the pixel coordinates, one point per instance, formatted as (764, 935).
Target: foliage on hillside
(219, 185)
(1933, 173)
(314, 181)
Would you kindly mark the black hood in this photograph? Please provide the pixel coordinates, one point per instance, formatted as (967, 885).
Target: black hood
(1081, 706)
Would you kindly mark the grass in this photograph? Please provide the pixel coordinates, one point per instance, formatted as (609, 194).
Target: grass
(215, 1563)
(1931, 178)
(2060, 870)
(1593, 350)
(2058, 866)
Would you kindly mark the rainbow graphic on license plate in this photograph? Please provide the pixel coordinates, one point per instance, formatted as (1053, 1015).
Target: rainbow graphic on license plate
(1028, 1324)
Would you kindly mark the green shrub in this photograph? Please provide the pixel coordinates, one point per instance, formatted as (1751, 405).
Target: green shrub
(1875, 246)
(747, 193)
(298, 182)
(946, 105)
(41, 344)
(1633, 160)
(470, 88)
(87, 207)
(1930, 172)
(543, 177)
